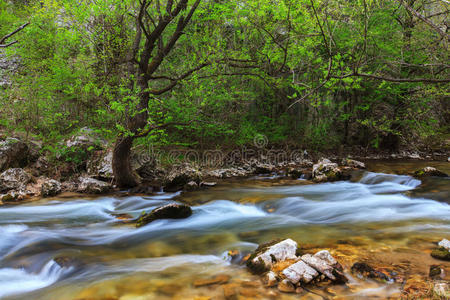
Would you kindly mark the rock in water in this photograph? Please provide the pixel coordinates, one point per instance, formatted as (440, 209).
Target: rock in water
(441, 253)
(429, 171)
(325, 170)
(353, 163)
(367, 271)
(270, 279)
(50, 187)
(286, 286)
(14, 179)
(170, 211)
(300, 271)
(444, 244)
(92, 186)
(261, 260)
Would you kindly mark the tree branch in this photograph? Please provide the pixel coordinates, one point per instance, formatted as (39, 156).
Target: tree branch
(3, 39)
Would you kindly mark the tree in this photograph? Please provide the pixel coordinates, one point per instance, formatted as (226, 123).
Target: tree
(154, 40)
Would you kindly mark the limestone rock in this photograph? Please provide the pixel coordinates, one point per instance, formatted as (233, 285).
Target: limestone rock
(99, 165)
(270, 279)
(50, 187)
(325, 170)
(444, 244)
(300, 272)
(89, 185)
(84, 139)
(14, 179)
(266, 254)
(179, 176)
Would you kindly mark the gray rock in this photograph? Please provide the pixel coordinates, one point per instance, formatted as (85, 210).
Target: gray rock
(13, 153)
(325, 170)
(191, 186)
(207, 184)
(266, 254)
(300, 271)
(353, 163)
(14, 179)
(100, 165)
(89, 185)
(320, 265)
(179, 176)
(50, 187)
(84, 139)
(270, 279)
(444, 244)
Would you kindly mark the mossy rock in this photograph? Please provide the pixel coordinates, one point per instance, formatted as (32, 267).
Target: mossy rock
(170, 211)
(260, 267)
(441, 253)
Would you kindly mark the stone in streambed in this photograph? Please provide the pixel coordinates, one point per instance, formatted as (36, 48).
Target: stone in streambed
(300, 272)
(353, 163)
(429, 171)
(219, 279)
(441, 253)
(325, 170)
(270, 279)
(444, 244)
(267, 254)
(170, 211)
(286, 286)
(436, 271)
(367, 271)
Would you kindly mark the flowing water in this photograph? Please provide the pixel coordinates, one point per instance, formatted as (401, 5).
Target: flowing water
(388, 220)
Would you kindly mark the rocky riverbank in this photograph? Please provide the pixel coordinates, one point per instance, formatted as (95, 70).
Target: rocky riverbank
(85, 167)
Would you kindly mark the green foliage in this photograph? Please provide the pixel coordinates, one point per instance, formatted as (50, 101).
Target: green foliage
(264, 57)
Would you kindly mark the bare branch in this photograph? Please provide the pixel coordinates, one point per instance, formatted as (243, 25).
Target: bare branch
(3, 39)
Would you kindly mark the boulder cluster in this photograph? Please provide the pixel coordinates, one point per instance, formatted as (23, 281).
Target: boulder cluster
(280, 265)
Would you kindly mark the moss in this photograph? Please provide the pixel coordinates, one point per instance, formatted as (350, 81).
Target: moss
(260, 267)
(441, 253)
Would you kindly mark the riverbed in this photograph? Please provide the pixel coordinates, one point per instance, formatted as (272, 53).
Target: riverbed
(77, 248)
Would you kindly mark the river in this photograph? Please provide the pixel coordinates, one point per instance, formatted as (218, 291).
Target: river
(379, 217)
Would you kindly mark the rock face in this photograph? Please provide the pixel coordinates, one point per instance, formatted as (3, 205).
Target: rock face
(170, 211)
(281, 266)
(89, 185)
(429, 171)
(179, 176)
(50, 188)
(14, 179)
(13, 154)
(267, 254)
(325, 170)
(99, 165)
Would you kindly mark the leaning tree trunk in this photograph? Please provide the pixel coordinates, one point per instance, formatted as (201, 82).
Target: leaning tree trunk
(121, 163)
